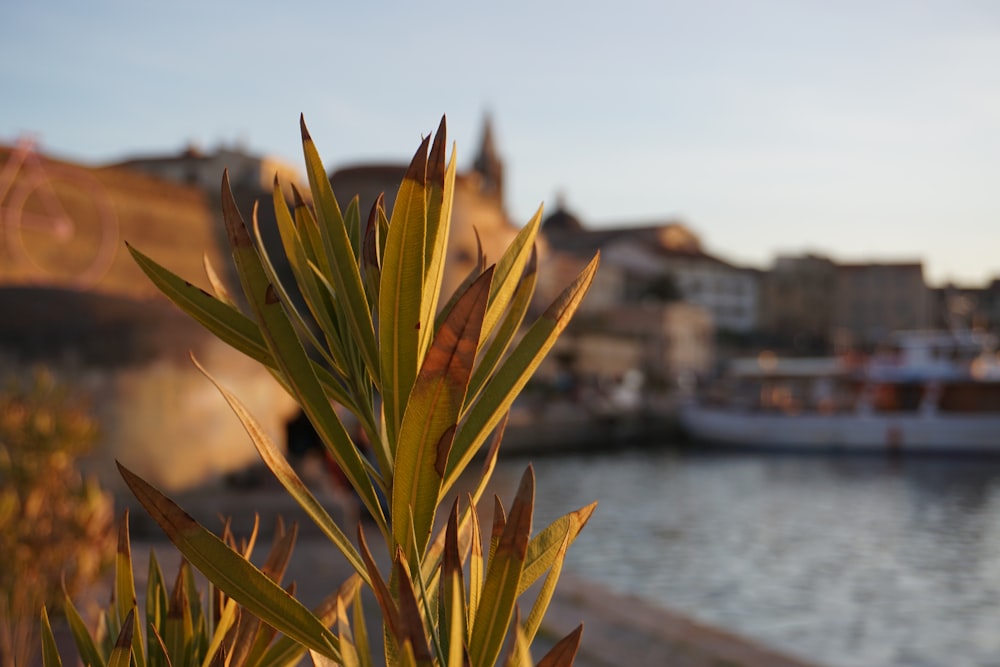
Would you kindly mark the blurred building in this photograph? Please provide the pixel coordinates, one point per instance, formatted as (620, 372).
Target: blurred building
(76, 302)
(657, 300)
(873, 300)
(797, 301)
(203, 169)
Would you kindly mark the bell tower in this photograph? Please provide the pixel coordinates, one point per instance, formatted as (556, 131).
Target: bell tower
(488, 164)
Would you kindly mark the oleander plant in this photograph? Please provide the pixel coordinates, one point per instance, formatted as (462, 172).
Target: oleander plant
(430, 379)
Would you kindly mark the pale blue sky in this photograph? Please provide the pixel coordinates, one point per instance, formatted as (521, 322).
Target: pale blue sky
(864, 130)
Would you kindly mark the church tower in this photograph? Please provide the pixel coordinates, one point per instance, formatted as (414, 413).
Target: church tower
(488, 164)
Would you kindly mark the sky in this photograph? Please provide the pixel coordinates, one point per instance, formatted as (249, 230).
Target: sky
(864, 131)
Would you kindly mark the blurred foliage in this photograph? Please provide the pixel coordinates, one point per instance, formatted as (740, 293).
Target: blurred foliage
(182, 624)
(55, 526)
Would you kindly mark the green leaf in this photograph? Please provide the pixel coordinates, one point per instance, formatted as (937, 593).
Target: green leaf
(365, 654)
(456, 630)
(230, 614)
(122, 653)
(305, 280)
(125, 588)
(291, 358)
(178, 629)
(511, 376)
(286, 651)
(474, 273)
(440, 194)
(85, 645)
(50, 651)
(371, 271)
(496, 608)
(401, 331)
(226, 322)
(218, 285)
(289, 479)
(428, 427)
(548, 588)
(451, 597)
(156, 606)
(510, 269)
(544, 547)
(231, 572)
(348, 652)
(342, 255)
(222, 319)
(508, 328)
(476, 566)
(520, 650)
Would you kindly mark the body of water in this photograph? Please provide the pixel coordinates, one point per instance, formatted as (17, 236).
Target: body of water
(846, 562)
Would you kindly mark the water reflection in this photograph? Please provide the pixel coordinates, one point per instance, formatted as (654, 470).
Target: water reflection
(844, 561)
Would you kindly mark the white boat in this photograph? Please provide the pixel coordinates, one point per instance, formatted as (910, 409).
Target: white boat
(931, 391)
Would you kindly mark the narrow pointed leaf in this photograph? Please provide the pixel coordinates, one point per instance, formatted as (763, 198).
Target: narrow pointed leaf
(85, 646)
(125, 588)
(390, 612)
(365, 653)
(564, 652)
(432, 558)
(226, 624)
(342, 254)
(122, 654)
(440, 193)
(218, 285)
(50, 651)
(508, 327)
(515, 371)
(285, 473)
(544, 547)
(291, 358)
(371, 270)
(476, 566)
(456, 626)
(224, 321)
(432, 412)
(231, 572)
(474, 273)
(156, 601)
(124, 579)
(401, 331)
(520, 646)
(286, 651)
(496, 608)
(545, 593)
(177, 628)
(305, 279)
(451, 615)
(510, 268)
(499, 524)
(411, 621)
(348, 652)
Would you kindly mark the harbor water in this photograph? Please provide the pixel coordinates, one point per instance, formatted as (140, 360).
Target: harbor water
(842, 561)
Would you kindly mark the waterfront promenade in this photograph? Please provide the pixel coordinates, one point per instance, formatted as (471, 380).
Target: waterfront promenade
(618, 629)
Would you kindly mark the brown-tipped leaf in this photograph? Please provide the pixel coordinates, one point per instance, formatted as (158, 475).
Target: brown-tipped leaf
(564, 652)
(503, 573)
(230, 572)
(432, 413)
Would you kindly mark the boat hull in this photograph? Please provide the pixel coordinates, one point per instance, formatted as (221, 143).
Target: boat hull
(904, 432)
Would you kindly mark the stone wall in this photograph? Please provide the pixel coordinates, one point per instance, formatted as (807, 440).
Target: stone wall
(131, 358)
